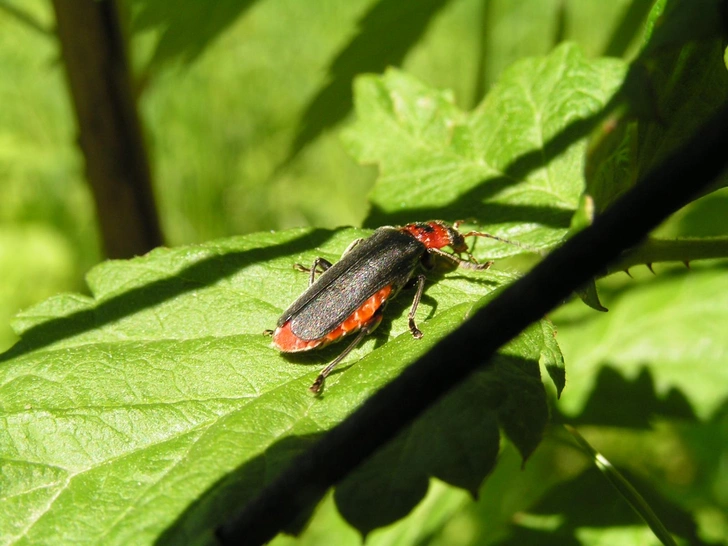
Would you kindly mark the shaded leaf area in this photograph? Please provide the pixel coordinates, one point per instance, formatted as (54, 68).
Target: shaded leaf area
(684, 56)
(629, 26)
(188, 29)
(648, 383)
(401, 491)
(676, 83)
(669, 455)
(639, 402)
(456, 441)
(588, 505)
(385, 34)
(561, 498)
(120, 411)
(513, 165)
(419, 527)
(558, 497)
(674, 457)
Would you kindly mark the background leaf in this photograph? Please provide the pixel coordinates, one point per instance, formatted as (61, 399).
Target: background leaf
(668, 326)
(384, 36)
(676, 83)
(500, 164)
(187, 32)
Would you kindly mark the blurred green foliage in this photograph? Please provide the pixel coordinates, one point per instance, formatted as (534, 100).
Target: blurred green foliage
(224, 97)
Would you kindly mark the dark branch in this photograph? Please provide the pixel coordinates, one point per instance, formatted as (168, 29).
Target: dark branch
(676, 182)
(110, 134)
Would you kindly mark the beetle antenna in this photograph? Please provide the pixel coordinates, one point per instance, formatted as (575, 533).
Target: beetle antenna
(457, 223)
(524, 246)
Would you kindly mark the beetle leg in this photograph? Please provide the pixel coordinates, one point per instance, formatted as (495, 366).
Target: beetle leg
(316, 386)
(366, 329)
(323, 263)
(318, 263)
(459, 262)
(416, 333)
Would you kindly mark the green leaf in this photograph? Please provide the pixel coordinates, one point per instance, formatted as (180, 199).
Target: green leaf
(676, 83)
(670, 327)
(513, 165)
(684, 55)
(157, 405)
(590, 296)
(462, 449)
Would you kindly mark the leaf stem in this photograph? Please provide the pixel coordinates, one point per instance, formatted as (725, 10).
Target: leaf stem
(626, 489)
(676, 250)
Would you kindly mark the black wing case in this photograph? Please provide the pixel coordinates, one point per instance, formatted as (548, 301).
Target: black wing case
(387, 257)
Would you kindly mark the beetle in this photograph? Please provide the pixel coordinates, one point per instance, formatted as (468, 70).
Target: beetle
(350, 295)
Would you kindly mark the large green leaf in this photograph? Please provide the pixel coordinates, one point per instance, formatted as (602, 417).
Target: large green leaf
(120, 410)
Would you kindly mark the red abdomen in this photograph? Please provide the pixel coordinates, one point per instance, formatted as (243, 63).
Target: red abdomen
(366, 315)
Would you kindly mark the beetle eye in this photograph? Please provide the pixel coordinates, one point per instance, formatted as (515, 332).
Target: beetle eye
(458, 244)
